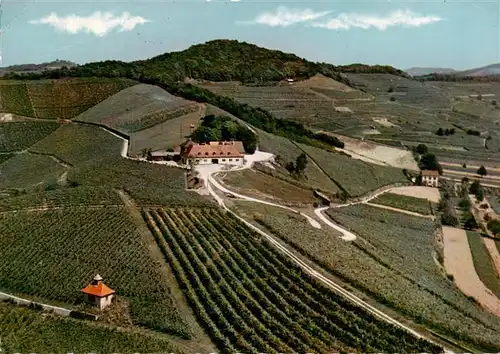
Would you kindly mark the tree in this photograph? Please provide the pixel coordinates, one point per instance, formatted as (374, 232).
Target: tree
(421, 149)
(391, 89)
(440, 132)
(482, 171)
(301, 163)
(290, 167)
(393, 98)
(464, 204)
(464, 165)
(429, 162)
(494, 226)
(474, 187)
(480, 195)
(494, 103)
(479, 97)
(469, 221)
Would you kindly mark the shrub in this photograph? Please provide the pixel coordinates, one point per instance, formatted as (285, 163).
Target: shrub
(440, 132)
(469, 221)
(422, 149)
(393, 98)
(464, 204)
(494, 226)
(482, 171)
(474, 187)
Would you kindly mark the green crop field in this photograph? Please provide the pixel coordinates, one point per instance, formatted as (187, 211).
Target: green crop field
(78, 196)
(26, 330)
(70, 246)
(416, 205)
(355, 176)
(25, 171)
(393, 260)
(14, 98)
(66, 98)
(483, 263)
(78, 143)
(16, 136)
(251, 298)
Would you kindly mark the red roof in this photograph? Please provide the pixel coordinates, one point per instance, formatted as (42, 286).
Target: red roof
(215, 149)
(100, 289)
(430, 173)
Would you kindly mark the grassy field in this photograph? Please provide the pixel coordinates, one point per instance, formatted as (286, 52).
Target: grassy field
(250, 298)
(29, 331)
(394, 261)
(417, 205)
(137, 108)
(16, 136)
(26, 171)
(70, 246)
(483, 263)
(263, 185)
(355, 176)
(62, 197)
(64, 98)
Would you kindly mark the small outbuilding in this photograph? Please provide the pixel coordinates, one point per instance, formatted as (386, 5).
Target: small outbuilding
(97, 293)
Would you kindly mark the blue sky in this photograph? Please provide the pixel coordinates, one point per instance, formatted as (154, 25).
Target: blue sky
(452, 34)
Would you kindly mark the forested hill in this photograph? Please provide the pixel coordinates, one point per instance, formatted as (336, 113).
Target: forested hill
(222, 60)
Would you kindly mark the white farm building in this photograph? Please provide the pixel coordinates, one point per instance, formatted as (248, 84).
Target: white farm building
(214, 152)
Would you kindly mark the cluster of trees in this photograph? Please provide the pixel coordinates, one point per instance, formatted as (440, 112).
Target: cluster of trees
(218, 128)
(299, 166)
(446, 131)
(427, 160)
(448, 214)
(473, 132)
(477, 189)
(456, 78)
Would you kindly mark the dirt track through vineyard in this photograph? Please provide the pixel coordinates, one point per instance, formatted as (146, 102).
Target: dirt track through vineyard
(458, 262)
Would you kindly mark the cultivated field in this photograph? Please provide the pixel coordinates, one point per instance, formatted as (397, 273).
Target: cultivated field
(137, 108)
(16, 136)
(251, 298)
(63, 197)
(416, 205)
(356, 177)
(483, 264)
(27, 171)
(64, 98)
(70, 246)
(30, 331)
(394, 259)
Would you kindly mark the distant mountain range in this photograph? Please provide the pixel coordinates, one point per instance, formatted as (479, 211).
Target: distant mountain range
(488, 70)
(33, 68)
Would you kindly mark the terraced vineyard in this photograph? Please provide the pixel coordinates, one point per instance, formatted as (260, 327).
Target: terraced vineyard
(16, 136)
(70, 245)
(417, 205)
(250, 298)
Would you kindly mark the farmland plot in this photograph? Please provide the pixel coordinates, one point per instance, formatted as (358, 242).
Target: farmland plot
(53, 254)
(14, 98)
(27, 170)
(483, 263)
(138, 107)
(355, 176)
(77, 196)
(66, 98)
(251, 298)
(16, 136)
(77, 143)
(29, 331)
(398, 250)
(416, 205)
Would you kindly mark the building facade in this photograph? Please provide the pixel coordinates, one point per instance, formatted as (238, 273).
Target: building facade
(430, 178)
(215, 152)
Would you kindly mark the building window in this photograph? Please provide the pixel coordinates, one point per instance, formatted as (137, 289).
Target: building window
(223, 160)
(230, 159)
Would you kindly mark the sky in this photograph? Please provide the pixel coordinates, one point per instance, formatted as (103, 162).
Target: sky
(427, 33)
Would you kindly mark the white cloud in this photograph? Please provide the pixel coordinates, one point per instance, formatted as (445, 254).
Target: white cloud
(98, 23)
(284, 17)
(345, 21)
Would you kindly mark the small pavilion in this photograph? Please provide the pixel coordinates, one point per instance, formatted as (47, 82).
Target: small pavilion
(97, 293)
